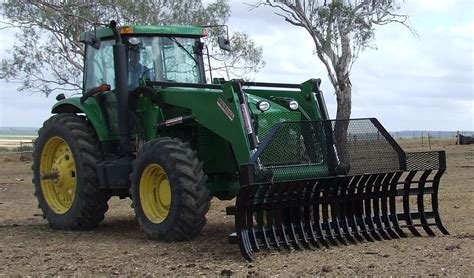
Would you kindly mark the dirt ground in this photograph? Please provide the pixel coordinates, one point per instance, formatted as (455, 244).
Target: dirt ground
(28, 246)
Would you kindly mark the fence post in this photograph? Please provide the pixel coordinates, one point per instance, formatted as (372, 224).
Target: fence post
(21, 149)
(429, 140)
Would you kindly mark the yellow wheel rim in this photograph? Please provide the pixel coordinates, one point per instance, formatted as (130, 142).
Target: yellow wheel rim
(155, 193)
(60, 192)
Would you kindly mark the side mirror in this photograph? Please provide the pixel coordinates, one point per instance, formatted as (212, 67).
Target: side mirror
(224, 43)
(60, 97)
(92, 40)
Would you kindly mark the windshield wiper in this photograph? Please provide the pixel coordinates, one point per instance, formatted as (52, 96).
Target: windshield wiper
(183, 48)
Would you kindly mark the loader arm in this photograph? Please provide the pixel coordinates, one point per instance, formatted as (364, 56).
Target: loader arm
(216, 109)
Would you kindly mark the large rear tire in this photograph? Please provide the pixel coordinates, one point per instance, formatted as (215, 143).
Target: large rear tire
(66, 153)
(169, 193)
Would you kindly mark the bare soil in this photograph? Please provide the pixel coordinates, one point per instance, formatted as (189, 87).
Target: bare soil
(28, 246)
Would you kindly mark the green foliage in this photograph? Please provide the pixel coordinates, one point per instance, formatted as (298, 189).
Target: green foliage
(47, 56)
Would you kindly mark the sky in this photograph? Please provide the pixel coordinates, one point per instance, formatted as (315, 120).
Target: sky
(407, 82)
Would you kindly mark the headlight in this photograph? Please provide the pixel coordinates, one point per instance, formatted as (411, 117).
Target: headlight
(293, 105)
(263, 105)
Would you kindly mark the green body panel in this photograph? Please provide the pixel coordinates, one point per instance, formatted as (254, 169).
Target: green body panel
(221, 142)
(203, 104)
(93, 112)
(184, 31)
(304, 97)
(149, 115)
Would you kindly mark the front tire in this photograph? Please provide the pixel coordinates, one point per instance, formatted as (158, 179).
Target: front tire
(67, 150)
(169, 193)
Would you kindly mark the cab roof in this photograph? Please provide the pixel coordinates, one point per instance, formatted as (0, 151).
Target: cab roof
(150, 30)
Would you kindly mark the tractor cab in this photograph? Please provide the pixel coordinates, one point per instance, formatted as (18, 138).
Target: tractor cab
(153, 53)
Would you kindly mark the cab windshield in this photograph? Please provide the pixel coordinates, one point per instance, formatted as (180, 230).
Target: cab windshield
(169, 59)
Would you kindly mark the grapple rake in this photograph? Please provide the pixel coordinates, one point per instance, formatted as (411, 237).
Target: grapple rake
(371, 190)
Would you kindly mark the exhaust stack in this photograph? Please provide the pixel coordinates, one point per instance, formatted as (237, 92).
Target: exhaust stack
(121, 89)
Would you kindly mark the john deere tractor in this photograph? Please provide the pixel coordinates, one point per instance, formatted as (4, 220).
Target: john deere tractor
(148, 126)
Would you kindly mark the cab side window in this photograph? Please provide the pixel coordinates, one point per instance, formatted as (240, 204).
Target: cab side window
(99, 66)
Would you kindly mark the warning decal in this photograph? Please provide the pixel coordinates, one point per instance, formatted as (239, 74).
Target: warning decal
(225, 109)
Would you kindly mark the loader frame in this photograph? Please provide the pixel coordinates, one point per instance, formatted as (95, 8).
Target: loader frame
(360, 204)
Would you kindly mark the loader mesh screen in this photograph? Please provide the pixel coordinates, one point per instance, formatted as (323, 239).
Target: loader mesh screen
(268, 119)
(309, 149)
(294, 150)
(417, 161)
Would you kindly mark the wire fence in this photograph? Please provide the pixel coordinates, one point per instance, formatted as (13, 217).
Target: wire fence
(426, 137)
(429, 134)
(24, 148)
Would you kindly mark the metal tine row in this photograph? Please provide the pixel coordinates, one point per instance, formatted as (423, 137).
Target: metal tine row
(338, 210)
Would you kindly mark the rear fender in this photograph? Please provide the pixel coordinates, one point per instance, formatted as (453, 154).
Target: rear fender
(92, 111)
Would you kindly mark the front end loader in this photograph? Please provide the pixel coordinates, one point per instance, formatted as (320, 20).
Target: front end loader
(148, 126)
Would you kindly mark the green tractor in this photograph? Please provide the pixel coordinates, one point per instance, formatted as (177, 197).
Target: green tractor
(148, 126)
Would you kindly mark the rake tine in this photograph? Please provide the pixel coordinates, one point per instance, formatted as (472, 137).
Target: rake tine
(335, 201)
(245, 246)
(280, 214)
(376, 205)
(352, 209)
(368, 207)
(325, 212)
(384, 202)
(293, 220)
(308, 212)
(392, 204)
(316, 194)
(434, 202)
(275, 211)
(241, 224)
(250, 215)
(406, 204)
(262, 214)
(300, 214)
(346, 182)
(360, 207)
(421, 205)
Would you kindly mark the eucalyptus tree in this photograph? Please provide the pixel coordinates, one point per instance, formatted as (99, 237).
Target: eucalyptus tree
(340, 30)
(46, 55)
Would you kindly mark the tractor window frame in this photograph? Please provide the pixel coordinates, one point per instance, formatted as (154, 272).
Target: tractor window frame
(90, 78)
(108, 42)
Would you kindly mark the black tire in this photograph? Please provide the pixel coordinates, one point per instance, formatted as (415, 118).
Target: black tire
(190, 199)
(90, 203)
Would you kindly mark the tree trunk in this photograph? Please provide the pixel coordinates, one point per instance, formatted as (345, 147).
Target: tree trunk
(344, 101)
